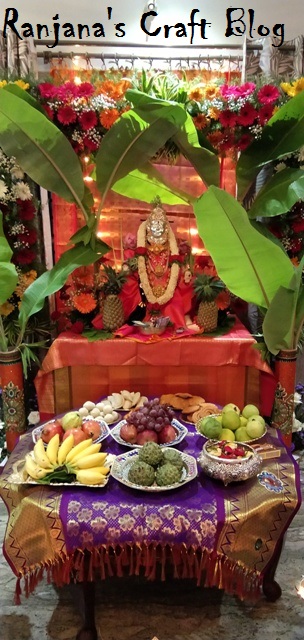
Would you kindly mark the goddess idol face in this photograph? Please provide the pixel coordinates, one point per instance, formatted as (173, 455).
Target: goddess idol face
(157, 227)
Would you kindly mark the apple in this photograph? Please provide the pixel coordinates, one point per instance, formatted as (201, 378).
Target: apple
(147, 435)
(91, 429)
(78, 434)
(167, 434)
(50, 429)
(128, 433)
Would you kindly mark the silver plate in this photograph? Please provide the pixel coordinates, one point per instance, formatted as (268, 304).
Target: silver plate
(122, 463)
(36, 433)
(214, 415)
(182, 432)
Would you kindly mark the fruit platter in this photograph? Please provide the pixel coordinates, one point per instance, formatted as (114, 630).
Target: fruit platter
(229, 461)
(64, 463)
(72, 423)
(233, 424)
(154, 468)
(152, 422)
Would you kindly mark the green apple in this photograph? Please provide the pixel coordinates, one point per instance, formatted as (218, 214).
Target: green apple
(227, 434)
(254, 428)
(250, 410)
(231, 407)
(241, 434)
(231, 420)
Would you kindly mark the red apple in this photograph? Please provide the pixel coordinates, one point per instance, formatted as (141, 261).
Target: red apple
(78, 434)
(128, 433)
(167, 434)
(50, 429)
(91, 429)
(146, 436)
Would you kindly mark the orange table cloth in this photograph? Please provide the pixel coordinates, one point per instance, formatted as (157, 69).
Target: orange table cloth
(218, 368)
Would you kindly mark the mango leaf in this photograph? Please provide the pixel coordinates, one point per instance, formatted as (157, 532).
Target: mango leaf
(147, 183)
(8, 273)
(283, 134)
(51, 281)
(279, 195)
(251, 266)
(131, 142)
(40, 148)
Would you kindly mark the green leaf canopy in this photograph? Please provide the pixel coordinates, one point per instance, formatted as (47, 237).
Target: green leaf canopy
(279, 195)
(40, 148)
(251, 266)
(147, 183)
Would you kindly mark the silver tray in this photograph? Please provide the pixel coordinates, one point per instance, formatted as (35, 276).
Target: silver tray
(105, 431)
(122, 463)
(214, 415)
(182, 432)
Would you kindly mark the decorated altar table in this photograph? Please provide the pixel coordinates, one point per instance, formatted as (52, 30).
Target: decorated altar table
(224, 368)
(229, 537)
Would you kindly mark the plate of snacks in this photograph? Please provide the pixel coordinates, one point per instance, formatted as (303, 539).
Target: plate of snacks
(154, 468)
(72, 422)
(152, 422)
(192, 407)
(229, 461)
(234, 424)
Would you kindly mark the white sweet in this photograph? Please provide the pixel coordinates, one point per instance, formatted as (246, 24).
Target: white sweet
(107, 408)
(83, 412)
(95, 412)
(108, 417)
(89, 405)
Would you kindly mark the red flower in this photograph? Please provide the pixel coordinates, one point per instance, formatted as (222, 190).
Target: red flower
(88, 120)
(47, 90)
(49, 112)
(247, 115)
(227, 118)
(265, 113)
(66, 115)
(26, 209)
(55, 315)
(296, 245)
(85, 90)
(77, 327)
(28, 237)
(268, 94)
(90, 144)
(140, 251)
(298, 225)
(175, 258)
(24, 256)
(244, 141)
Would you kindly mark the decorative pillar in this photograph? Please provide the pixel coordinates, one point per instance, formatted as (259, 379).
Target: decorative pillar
(283, 407)
(11, 375)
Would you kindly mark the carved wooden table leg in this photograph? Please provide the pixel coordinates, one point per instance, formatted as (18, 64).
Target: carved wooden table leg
(88, 631)
(271, 588)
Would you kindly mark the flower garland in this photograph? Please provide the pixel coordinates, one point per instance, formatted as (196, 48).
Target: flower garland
(142, 269)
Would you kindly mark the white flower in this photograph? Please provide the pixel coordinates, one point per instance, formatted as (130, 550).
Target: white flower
(17, 173)
(22, 191)
(34, 417)
(3, 190)
(280, 166)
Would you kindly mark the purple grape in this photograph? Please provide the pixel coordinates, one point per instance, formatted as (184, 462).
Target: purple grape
(153, 413)
(144, 420)
(140, 428)
(150, 424)
(158, 427)
(145, 411)
(160, 420)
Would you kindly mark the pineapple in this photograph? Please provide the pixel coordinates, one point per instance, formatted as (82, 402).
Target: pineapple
(111, 308)
(206, 289)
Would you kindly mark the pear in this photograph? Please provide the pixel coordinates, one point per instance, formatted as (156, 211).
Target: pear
(250, 410)
(231, 407)
(243, 421)
(254, 428)
(227, 434)
(241, 434)
(231, 420)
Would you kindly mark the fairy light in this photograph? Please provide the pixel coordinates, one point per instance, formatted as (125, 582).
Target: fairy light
(86, 159)
(88, 179)
(77, 80)
(193, 231)
(300, 588)
(100, 234)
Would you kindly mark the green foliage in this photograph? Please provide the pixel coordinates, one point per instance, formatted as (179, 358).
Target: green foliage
(279, 194)
(112, 282)
(8, 273)
(206, 287)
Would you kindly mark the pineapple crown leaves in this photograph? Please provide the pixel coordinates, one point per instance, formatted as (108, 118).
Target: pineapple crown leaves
(206, 287)
(112, 282)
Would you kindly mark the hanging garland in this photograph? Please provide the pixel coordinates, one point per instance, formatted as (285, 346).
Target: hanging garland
(142, 267)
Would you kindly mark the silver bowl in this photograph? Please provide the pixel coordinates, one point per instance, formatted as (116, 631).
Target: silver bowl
(229, 470)
(150, 330)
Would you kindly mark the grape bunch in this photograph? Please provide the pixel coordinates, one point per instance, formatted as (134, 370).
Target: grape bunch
(152, 416)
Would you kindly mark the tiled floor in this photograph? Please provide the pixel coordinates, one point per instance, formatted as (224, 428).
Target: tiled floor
(135, 610)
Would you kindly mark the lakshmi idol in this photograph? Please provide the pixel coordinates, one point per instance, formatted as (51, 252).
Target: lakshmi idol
(160, 282)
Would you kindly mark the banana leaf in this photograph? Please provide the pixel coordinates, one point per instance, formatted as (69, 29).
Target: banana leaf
(131, 142)
(283, 134)
(186, 138)
(51, 281)
(282, 323)
(24, 95)
(147, 183)
(8, 273)
(252, 267)
(279, 195)
(40, 148)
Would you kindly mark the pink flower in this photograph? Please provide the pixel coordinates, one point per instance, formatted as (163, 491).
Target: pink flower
(247, 115)
(268, 94)
(246, 89)
(85, 90)
(66, 115)
(47, 90)
(87, 120)
(227, 118)
(67, 90)
(229, 91)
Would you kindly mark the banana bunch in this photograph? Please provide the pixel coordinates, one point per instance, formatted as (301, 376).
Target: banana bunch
(65, 462)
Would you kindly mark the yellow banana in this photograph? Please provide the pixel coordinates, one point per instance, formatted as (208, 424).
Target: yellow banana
(65, 448)
(90, 476)
(81, 446)
(103, 470)
(32, 468)
(40, 455)
(94, 460)
(52, 448)
(93, 448)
